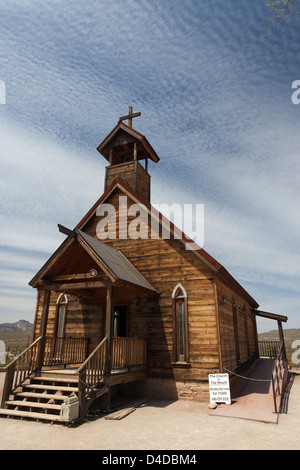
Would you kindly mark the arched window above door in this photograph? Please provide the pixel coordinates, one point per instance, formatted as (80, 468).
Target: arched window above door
(61, 312)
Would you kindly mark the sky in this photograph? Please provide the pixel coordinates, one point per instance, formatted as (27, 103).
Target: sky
(213, 84)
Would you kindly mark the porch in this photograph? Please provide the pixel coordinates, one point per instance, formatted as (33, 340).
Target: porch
(59, 370)
(68, 376)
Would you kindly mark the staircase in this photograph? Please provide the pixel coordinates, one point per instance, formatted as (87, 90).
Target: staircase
(43, 397)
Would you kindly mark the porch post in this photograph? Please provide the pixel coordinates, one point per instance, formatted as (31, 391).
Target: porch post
(108, 322)
(108, 333)
(43, 328)
(281, 337)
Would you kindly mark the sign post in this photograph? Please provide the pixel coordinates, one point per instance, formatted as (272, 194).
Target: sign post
(219, 388)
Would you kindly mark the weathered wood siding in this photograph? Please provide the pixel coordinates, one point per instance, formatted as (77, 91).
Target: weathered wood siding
(165, 263)
(83, 318)
(245, 324)
(131, 173)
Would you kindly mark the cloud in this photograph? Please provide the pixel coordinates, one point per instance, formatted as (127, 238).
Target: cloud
(215, 95)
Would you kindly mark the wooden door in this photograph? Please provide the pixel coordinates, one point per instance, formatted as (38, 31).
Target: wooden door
(236, 333)
(120, 323)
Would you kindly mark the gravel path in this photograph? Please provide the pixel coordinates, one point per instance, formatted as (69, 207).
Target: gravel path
(160, 425)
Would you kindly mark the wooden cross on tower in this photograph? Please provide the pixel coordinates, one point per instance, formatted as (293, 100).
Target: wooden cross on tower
(129, 116)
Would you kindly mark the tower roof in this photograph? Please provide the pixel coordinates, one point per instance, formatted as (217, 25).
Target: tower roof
(121, 141)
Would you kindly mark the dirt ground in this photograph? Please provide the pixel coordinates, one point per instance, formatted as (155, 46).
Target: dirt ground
(159, 425)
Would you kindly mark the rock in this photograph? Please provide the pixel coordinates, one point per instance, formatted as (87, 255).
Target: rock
(212, 406)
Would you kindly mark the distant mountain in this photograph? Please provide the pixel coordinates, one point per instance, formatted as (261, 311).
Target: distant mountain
(290, 335)
(21, 325)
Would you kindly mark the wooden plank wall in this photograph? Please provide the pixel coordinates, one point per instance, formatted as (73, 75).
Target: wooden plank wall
(84, 319)
(143, 182)
(165, 263)
(246, 325)
(125, 171)
(133, 174)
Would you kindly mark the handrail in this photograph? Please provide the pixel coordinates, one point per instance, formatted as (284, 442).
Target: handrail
(22, 353)
(279, 376)
(90, 374)
(20, 369)
(95, 373)
(91, 355)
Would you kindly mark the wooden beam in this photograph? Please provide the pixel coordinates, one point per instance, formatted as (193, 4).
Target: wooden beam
(129, 116)
(73, 286)
(43, 329)
(72, 277)
(281, 336)
(272, 316)
(135, 151)
(108, 333)
(66, 230)
(109, 319)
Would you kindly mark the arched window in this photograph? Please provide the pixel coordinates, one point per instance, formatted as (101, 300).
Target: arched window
(180, 326)
(61, 311)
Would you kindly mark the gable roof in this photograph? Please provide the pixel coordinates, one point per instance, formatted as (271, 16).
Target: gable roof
(147, 149)
(113, 262)
(211, 262)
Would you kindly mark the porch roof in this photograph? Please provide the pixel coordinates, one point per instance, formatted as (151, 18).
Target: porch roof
(114, 260)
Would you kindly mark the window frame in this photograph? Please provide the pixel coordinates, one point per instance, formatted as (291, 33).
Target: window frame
(177, 299)
(60, 303)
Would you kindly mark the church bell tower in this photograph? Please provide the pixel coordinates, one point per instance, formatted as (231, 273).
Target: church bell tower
(128, 153)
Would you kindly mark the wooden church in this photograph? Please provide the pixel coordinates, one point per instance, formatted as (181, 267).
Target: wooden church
(140, 315)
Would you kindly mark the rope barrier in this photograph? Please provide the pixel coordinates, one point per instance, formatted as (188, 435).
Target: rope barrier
(247, 378)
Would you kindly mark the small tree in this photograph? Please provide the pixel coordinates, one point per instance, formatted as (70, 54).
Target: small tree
(283, 11)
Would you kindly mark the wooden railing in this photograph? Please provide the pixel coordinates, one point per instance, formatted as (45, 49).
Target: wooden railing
(64, 351)
(279, 377)
(20, 369)
(128, 353)
(94, 374)
(268, 348)
(91, 373)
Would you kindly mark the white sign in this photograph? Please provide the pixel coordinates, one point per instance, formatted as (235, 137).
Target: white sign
(219, 388)
(2, 353)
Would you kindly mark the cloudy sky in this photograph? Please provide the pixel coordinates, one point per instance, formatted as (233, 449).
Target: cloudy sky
(214, 88)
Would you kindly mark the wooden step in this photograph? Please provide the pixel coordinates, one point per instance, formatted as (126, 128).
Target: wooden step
(31, 414)
(51, 387)
(70, 380)
(63, 374)
(47, 396)
(32, 404)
